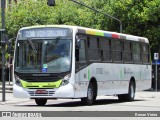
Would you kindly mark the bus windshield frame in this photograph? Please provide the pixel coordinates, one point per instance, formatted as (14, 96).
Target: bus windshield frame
(43, 55)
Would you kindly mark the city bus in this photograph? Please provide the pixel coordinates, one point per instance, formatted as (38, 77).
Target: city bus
(72, 62)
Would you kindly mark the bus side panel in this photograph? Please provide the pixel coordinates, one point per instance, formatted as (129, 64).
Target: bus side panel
(113, 79)
(145, 82)
(81, 83)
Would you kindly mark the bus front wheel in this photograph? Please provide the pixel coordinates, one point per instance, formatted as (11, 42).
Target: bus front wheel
(41, 101)
(90, 96)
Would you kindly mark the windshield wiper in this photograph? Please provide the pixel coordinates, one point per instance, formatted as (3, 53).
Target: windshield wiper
(32, 45)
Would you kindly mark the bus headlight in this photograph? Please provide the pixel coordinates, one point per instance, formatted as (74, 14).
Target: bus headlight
(65, 80)
(17, 81)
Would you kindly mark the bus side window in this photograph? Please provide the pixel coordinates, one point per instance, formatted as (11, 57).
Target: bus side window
(93, 49)
(116, 46)
(145, 56)
(136, 49)
(105, 49)
(127, 53)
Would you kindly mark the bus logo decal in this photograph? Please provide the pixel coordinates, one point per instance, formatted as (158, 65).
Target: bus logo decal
(44, 70)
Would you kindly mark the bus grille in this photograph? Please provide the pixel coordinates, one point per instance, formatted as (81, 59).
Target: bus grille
(33, 93)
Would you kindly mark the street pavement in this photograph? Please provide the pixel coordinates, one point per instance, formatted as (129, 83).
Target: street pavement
(10, 99)
(144, 101)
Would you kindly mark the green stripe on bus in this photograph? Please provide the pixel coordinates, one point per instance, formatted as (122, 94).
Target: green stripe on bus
(121, 74)
(41, 84)
(100, 33)
(89, 76)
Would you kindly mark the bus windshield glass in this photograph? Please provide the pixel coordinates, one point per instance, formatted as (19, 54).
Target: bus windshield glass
(43, 56)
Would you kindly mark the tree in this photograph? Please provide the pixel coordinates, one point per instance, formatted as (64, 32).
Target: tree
(139, 17)
(15, 1)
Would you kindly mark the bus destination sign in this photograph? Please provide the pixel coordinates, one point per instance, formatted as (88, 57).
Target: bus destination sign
(42, 33)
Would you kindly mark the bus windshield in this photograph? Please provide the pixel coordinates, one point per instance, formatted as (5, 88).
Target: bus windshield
(43, 56)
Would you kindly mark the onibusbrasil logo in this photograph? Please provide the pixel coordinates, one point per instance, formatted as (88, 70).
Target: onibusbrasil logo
(21, 114)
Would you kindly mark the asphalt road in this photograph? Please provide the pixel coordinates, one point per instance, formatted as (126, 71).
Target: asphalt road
(144, 101)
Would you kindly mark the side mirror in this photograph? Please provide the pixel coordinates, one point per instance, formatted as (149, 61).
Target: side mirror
(11, 43)
(78, 43)
(6, 38)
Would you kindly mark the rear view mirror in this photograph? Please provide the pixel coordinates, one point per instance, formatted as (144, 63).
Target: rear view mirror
(78, 43)
(11, 43)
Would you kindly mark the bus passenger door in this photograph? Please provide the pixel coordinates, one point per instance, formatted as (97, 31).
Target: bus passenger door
(81, 68)
(81, 63)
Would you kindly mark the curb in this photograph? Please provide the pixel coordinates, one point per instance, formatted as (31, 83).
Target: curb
(15, 101)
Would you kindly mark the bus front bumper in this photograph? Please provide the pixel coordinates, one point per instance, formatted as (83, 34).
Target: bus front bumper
(66, 91)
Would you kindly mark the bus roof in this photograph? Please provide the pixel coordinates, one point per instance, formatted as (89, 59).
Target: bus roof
(96, 32)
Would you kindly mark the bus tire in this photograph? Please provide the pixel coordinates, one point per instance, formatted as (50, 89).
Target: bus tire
(131, 93)
(90, 96)
(94, 98)
(41, 101)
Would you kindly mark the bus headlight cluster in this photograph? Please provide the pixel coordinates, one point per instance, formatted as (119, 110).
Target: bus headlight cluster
(17, 81)
(65, 80)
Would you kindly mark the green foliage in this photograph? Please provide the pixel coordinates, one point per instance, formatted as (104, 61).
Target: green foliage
(139, 17)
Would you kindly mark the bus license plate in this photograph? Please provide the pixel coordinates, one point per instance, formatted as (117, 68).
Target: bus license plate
(41, 92)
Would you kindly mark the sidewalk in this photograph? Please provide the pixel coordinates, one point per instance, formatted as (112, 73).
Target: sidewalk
(10, 99)
(8, 87)
(148, 95)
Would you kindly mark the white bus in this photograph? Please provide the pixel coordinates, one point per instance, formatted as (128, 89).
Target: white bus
(60, 61)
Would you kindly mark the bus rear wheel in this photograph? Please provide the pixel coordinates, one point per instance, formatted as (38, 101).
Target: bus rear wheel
(41, 101)
(131, 93)
(90, 96)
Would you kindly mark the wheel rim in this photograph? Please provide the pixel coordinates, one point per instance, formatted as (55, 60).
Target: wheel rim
(90, 93)
(132, 91)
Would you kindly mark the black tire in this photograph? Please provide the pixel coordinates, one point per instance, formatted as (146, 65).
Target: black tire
(41, 101)
(90, 96)
(94, 98)
(131, 93)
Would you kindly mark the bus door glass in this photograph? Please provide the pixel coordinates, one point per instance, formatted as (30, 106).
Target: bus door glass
(81, 62)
